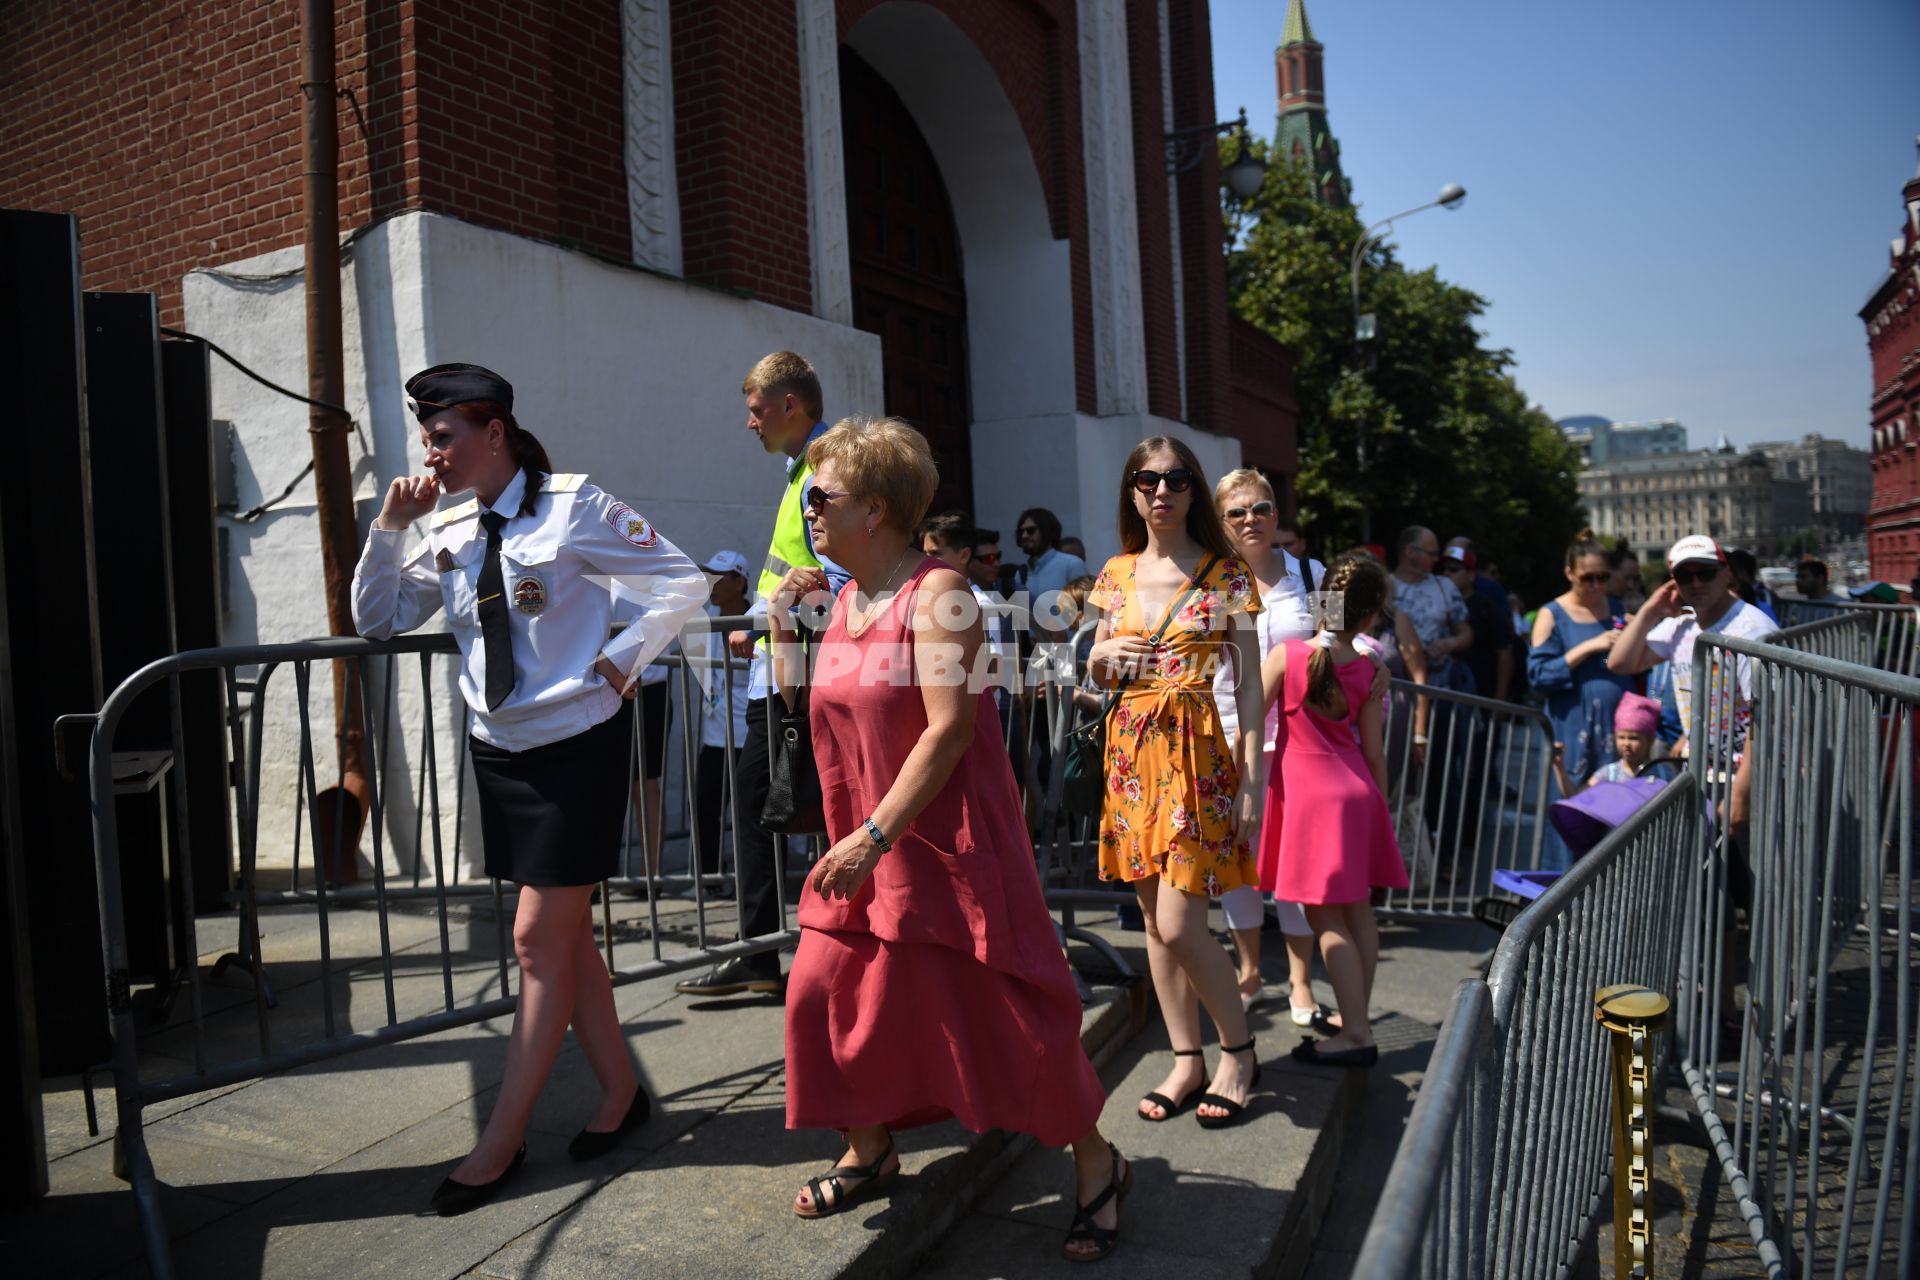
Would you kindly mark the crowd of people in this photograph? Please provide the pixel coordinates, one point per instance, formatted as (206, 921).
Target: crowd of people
(1236, 690)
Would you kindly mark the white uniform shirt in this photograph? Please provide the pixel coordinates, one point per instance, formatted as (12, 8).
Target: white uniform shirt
(579, 561)
(1283, 616)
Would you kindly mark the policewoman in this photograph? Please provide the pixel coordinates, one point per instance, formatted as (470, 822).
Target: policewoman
(532, 571)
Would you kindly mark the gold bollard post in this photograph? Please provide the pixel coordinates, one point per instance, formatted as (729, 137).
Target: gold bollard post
(1633, 1014)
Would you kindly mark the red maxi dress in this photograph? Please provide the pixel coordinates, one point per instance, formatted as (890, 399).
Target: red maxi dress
(940, 990)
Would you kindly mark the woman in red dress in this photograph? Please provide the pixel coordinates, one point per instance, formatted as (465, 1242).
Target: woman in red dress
(928, 981)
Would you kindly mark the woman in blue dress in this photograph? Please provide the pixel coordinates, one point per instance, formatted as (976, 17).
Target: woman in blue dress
(1568, 664)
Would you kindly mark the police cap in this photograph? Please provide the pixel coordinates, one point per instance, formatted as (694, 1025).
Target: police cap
(446, 385)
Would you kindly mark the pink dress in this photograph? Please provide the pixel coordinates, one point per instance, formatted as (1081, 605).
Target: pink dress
(941, 989)
(1337, 843)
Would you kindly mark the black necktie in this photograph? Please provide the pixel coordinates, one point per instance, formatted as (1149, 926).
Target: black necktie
(495, 636)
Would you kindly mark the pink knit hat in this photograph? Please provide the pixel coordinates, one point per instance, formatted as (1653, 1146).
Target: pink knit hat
(1636, 714)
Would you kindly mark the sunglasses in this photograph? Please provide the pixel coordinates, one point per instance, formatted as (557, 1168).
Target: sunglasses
(1026, 529)
(1594, 579)
(818, 499)
(1178, 480)
(1687, 577)
(989, 557)
(1259, 511)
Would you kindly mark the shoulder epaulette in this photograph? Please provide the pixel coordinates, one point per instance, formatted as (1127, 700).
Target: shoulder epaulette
(563, 482)
(468, 508)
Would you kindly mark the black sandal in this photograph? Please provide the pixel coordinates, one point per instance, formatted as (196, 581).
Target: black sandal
(1235, 1110)
(1168, 1107)
(842, 1198)
(1082, 1230)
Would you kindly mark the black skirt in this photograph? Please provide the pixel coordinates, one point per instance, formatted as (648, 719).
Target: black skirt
(554, 815)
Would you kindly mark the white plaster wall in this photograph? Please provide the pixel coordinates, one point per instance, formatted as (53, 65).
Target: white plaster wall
(629, 377)
(1071, 465)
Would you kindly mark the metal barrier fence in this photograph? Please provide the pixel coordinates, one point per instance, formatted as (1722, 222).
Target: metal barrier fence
(1822, 1047)
(229, 1041)
(1891, 641)
(1475, 804)
(1506, 1158)
(1808, 1089)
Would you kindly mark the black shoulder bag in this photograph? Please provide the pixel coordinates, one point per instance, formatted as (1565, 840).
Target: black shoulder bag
(1085, 773)
(794, 804)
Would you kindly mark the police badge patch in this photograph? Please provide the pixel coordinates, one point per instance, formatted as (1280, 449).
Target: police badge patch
(529, 595)
(631, 525)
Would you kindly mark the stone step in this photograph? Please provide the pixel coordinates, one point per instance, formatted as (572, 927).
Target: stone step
(326, 1171)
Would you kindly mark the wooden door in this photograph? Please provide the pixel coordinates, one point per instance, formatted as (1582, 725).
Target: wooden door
(907, 283)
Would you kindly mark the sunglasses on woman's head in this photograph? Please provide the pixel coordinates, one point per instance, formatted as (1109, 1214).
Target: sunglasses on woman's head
(1177, 480)
(1259, 511)
(1594, 579)
(1687, 577)
(818, 498)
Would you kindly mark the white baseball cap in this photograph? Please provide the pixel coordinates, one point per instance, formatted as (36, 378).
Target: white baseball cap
(726, 562)
(1695, 546)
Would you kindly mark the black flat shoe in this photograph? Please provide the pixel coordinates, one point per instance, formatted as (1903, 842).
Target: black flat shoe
(451, 1199)
(1323, 1022)
(1168, 1107)
(1309, 1051)
(1235, 1110)
(588, 1145)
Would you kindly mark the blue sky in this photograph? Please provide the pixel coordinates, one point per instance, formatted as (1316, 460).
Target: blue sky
(1676, 209)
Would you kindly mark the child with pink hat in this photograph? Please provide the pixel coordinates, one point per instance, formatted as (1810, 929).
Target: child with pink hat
(1636, 727)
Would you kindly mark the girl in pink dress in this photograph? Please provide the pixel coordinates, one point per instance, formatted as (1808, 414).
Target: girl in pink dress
(929, 982)
(1337, 844)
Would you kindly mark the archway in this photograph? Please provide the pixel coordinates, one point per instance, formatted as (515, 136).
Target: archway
(1016, 279)
(908, 287)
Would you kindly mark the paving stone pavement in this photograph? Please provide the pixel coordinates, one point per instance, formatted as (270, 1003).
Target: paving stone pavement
(326, 1170)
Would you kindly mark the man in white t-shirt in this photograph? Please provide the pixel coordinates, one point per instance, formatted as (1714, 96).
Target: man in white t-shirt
(1697, 599)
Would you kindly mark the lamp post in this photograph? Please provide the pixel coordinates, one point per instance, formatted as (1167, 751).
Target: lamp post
(1363, 326)
(1243, 176)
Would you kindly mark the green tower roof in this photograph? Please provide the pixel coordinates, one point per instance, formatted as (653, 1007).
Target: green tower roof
(1297, 29)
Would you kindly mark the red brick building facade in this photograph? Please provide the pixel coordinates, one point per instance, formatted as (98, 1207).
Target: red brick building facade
(172, 130)
(1892, 317)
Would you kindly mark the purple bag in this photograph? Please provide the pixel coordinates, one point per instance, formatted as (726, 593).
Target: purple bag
(1585, 820)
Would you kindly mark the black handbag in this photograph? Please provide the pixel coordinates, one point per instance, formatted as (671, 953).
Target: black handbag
(794, 806)
(1084, 782)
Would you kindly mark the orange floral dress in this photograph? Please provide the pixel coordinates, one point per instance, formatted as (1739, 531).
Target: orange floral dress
(1170, 772)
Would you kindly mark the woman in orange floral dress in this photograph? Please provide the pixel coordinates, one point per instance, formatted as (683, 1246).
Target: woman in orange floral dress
(1178, 823)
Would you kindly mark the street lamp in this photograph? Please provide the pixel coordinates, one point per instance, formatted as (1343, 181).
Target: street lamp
(1243, 175)
(1364, 328)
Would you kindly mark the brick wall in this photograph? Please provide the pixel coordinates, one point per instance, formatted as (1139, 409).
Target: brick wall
(740, 140)
(173, 129)
(521, 118)
(1033, 48)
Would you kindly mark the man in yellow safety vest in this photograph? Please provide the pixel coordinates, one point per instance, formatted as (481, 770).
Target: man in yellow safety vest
(784, 411)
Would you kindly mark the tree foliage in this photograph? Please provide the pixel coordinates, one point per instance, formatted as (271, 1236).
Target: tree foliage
(1450, 440)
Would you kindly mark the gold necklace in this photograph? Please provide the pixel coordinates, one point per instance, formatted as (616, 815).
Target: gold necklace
(874, 606)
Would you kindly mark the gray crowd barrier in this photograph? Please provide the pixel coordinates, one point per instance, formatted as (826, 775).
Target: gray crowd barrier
(228, 1041)
(1795, 1034)
(1477, 803)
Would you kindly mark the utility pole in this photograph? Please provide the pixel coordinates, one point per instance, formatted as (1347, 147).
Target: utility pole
(328, 427)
